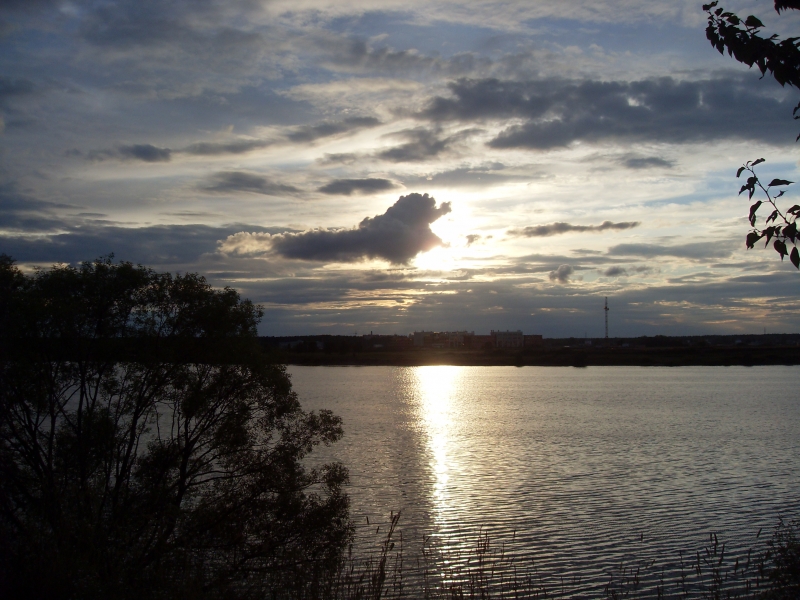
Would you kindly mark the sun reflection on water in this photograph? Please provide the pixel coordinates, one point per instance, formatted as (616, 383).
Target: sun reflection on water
(437, 387)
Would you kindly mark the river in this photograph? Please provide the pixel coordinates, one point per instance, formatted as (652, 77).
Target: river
(574, 471)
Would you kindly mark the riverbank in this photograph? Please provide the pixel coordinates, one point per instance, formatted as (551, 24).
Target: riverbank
(555, 357)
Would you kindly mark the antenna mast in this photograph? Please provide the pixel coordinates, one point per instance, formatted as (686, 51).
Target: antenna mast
(606, 311)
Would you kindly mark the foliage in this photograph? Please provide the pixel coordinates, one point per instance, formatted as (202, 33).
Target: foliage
(148, 448)
(781, 58)
(783, 229)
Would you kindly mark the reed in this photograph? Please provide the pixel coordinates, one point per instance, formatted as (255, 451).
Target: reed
(483, 569)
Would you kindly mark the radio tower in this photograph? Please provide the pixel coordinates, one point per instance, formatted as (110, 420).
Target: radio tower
(606, 309)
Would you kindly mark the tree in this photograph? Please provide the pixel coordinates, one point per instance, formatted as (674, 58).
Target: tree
(784, 227)
(148, 448)
(740, 37)
(781, 58)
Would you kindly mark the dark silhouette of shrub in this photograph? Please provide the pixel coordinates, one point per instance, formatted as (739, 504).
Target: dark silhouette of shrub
(148, 448)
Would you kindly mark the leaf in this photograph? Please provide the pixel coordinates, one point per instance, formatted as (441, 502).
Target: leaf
(757, 162)
(790, 231)
(794, 210)
(776, 182)
(739, 172)
(744, 187)
(795, 258)
(773, 216)
(708, 7)
(785, 5)
(752, 21)
(769, 232)
(752, 238)
(780, 248)
(753, 210)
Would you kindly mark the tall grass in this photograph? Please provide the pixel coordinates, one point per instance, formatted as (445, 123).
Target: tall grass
(483, 569)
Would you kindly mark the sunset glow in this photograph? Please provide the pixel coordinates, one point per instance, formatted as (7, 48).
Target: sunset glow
(493, 162)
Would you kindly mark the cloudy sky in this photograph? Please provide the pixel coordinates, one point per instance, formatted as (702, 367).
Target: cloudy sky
(389, 166)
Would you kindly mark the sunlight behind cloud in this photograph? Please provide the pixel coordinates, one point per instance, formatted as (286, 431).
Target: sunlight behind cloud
(250, 141)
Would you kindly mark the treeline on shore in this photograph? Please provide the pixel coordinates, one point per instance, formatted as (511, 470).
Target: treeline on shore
(716, 350)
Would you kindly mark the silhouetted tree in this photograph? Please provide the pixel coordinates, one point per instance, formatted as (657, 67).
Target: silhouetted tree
(781, 58)
(742, 40)
(783, 230)
(148, 448)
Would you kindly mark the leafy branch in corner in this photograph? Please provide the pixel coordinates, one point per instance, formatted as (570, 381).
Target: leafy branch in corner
(740, 37)
(784, 224)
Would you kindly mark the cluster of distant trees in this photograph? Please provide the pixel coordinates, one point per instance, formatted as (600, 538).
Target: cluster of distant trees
(336, 344)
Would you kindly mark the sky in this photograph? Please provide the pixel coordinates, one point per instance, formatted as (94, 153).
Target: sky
(386, 167)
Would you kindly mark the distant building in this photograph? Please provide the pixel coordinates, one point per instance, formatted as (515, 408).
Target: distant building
(532, 340)
(388, 342)
(508, 339)
(421, 336)
(468, 340)
(459, 339)
(480, 342)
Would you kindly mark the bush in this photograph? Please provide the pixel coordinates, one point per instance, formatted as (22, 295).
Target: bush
(149, 449)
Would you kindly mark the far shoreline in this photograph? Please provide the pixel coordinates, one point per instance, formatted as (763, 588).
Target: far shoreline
(554, 357)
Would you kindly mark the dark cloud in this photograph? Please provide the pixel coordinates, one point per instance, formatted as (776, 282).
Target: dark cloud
(26, 5)
(143, 152)
(472, 238)
(642, 269)
(398, 235)
(615, 272)
(343, 158)
(221, 148)
(241, 181)
(354, 54)
(156, 245)
(15, 87)
(424, 144)
(489, 175)
(150, 153)
(559, 112)
(311, 133)
(553, 310)
(562, 274)
(697, 250)
(21, 212)
(559, 228)
(646, 162)
(357, 54)
(346, 187)
(141, 23)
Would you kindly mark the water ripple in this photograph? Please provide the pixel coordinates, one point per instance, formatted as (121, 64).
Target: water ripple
(574, 470)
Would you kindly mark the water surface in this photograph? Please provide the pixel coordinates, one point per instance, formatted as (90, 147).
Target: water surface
(573, 469)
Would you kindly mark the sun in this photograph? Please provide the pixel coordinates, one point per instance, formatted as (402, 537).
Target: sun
(438, 259)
